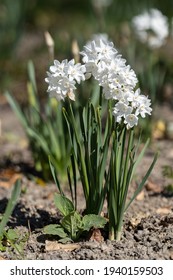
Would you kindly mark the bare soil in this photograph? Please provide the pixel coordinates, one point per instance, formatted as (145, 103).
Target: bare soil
(148, 225)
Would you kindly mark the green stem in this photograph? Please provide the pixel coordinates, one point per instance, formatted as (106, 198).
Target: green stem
(111, 233)
(101, 97)
(118, 235)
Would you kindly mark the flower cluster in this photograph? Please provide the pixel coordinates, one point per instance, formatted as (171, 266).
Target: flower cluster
(129, 109)
(102, 61)
(63, 77)
(118, 81)
(151, 27)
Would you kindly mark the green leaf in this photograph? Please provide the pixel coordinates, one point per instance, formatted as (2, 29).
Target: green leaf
(52, 168)
(12, 234)
(15, 106)
(31, 73)
(31, 96)
(72, 223)
(79, 156)
(142, 182)
(2, 247)
(139, 158)
(54, 141)
(41, 140)
(54, 229)
(94, 221)
(64, 205)
(74, 180)
(19, 247)
(10, 206)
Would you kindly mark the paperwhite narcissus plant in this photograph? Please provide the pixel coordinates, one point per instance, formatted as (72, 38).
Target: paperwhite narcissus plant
(103, 175)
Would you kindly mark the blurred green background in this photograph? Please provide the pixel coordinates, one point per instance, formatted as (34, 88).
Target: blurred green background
(22, 38)
(23, 23)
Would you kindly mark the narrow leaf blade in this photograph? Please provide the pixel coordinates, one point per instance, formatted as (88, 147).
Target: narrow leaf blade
(142, 182)
(10, 206)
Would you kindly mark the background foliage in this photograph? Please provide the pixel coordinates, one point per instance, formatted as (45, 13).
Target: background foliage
(23, 24)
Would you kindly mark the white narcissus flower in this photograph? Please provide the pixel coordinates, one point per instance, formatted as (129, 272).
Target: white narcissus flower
(131, 120)
(98, 50)
(144, 107)
(129, 76)
(62, 78)
(58, 67)
(75, 71)
(151, 27)
(135, 98)
(121, 110)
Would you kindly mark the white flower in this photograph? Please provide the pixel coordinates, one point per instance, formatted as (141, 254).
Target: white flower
(62, 78)
(98, 50)
(58, 67)
(131, 120)
(129, 76)
(66, 85)
(135, 98)
(151, 27)
(121, 110)
(75, 71)
(112, 93)
(144, 106)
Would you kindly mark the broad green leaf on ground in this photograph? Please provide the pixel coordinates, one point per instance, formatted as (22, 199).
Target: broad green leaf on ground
(72, 223)
(94, 221)
(64, 205)
(54, 229)
(12, 234)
